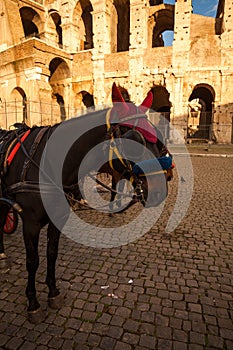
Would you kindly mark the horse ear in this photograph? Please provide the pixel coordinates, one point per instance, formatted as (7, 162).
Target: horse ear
(146, 104)
(120, 106)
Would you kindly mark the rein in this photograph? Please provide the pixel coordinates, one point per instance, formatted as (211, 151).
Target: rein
(113, 148)
(24, 186)
(27, 186)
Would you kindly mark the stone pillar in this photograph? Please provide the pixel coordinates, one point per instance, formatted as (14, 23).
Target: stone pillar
(102, 46)
(227, 35)
(228, 18)
(12, 21)
(70, 37)
(180, 109)
(181, 43)
(101, 27)
(139, 13)
(180, 60)
(224, 115)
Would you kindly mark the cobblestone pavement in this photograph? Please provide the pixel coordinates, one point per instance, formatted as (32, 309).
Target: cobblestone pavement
(165, 291)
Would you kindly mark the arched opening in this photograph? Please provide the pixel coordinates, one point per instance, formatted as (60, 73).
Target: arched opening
(161, 101)
(155, 2)
(209, 10)
(168, 37)
(59, 73)
(17, 107)
(124, 93)
(162, 28)
(88, 100)
(56, 21)
(61, 104)
(123, 24)
(31, 22)
(200, 112)
(82, 19)
(160, 110)
(59, 70)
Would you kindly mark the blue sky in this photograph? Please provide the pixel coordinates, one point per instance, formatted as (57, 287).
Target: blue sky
(201, 7)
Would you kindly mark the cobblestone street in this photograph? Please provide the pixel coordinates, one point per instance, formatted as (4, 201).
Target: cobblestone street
(162, 291)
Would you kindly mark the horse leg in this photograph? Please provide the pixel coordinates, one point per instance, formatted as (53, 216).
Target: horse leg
(54, 297)
(31, 238)
(113, 194)
(4, 211)
(115, 179)
(4, 264)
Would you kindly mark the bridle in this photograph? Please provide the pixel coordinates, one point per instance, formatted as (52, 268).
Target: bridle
(114, 132)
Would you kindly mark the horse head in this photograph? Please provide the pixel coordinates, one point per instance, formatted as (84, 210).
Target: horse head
(133, 139)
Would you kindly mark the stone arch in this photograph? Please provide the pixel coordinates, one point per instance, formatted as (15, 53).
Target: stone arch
(161, 102)
(160, 110)
(54, 25)
(59, 73)
(160, 22)
(61, 103)
(32, 23)
(59, 70)
(124, 92)
(82, 19)
(84, 101)
(123, 24)
(17, 107)
(200, 115)
(88, 100)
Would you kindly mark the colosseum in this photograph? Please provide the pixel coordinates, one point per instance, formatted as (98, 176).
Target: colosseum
(59, 58)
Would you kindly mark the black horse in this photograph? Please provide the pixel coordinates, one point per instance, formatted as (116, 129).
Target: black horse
(47, 167)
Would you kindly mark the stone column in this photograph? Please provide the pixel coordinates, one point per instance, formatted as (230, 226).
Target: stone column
(101, 27)
(180, 59)
(13, 20)
(70, 37)
(227, 35)
(139, 12)
(181, 43)
(102, 46)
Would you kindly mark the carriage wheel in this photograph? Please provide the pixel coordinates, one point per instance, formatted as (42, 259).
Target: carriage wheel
(11, 222)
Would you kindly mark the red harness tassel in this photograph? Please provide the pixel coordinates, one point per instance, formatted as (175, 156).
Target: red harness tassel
(16, 148)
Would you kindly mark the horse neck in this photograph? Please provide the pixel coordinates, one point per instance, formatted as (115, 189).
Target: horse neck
(83, 145)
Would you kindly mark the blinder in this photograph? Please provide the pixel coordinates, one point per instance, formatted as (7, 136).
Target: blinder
(132, 152)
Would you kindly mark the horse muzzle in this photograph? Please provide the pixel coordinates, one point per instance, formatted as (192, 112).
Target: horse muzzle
(155, 198)
(151, 189)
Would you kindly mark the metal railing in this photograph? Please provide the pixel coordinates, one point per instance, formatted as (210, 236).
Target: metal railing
(38, 113)
(49, 113)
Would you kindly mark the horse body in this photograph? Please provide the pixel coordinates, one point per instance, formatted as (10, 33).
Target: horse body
(21, 185)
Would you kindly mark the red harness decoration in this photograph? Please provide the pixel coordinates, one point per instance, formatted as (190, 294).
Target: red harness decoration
(17, 146)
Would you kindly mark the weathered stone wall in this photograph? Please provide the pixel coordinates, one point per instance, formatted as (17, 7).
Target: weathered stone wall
(59, 64)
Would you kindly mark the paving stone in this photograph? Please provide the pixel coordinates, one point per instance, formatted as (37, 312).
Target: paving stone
(147, 341)
(14, 343)
(181, 296)
(122, 346)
